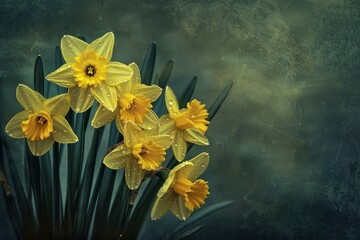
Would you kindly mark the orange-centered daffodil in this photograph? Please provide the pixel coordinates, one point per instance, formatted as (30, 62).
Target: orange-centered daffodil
(182, 192)
(88, 72)
(134, 104)
(184, 125)
(142, 150)
(42, 122)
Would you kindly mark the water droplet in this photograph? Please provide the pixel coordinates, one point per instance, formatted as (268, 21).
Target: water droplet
(64, 130)
(149, 128)
(123, 151)
(171, 102)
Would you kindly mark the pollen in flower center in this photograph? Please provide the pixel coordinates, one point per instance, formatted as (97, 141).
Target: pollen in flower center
(150, 155)
(194, 193)
(134, 108)
(38, 126)
(90, 69)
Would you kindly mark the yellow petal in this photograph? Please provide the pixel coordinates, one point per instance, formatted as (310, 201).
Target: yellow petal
(179, 146)
(136, 78)
(39, 148)
(162, 205)
(119, 124)
(150, 123)
(200, 163)
(29, 99)
(80, 99)
(103, 116)
(105, 95)
(167, 125)
(195, 136)
(63, 76)
(162, 140)
(63, 132)
(118, 73)
(72, 47)
(133, 174)
(59, 104)
(178, 208)
(171, 102)
(132, 134)
(13, 128)
(104, 45)
(117, 158)
(153, 92)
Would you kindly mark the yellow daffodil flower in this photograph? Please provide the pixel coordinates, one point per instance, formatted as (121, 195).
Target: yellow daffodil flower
(134, 104)
(42, 122)
(182, 193)
(88, 72)
(184, 125)
(142, 151)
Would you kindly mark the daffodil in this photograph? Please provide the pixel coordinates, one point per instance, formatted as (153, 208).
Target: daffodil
(184, 125)
(88, 72)
(182, 192)
(134, 104)
(42, 122)
(142, 151)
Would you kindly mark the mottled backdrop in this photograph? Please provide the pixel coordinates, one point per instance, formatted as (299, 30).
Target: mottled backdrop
(284, 146)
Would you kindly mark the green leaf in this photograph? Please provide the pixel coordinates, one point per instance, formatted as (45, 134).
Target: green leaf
(147, 67)
(84, 191)
(165, 74)
(39, 76)
(187, 233)
(185, 96)
(219, 101)
(202, 213)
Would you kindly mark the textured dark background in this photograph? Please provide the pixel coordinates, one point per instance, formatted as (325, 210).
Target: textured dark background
(284, 146)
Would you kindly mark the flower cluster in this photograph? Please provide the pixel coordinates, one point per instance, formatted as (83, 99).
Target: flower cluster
(89, 74)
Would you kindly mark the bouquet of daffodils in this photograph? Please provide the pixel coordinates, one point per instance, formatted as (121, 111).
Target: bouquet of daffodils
(104, 200)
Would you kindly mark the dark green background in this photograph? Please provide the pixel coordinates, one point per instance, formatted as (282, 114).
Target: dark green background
(285, 144)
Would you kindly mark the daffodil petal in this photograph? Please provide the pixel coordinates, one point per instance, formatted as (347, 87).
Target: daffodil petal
(63, 76)
(119, 124)
(39, 148)
(117, 158)
(200, 163)
(13, 128)
(194, 136)
(162, 140)
(105, 95)
(72, 47)
(118, 73)
(178, 208)
(80, 99)
(132, 134)
(171, 102)
(167, 125)
(153, 92)
(29, 99)
(59, 104)
(63, 132)
(179, 146)
(103, 116)
(162, 205)
(136, 78)
(133, 174)
(150, 123)
(104, 45)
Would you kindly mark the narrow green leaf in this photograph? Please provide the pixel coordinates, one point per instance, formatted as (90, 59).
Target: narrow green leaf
(46, 220)
(147, 67)
(39, 76)
(165, 74)
(57, 200)
(185, 96)
(202, 212)
(187, 233)
(84, 191)
(219, 101)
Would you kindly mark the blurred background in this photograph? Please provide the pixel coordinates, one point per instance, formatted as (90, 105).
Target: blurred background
(285, 145)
